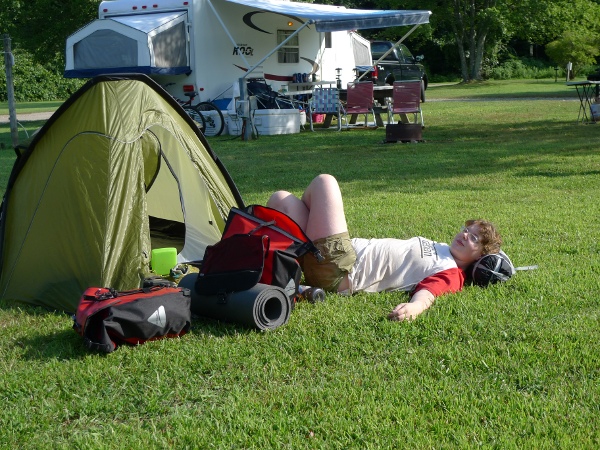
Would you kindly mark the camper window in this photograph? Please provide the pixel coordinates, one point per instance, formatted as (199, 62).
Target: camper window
(328, 43)
(290, 52)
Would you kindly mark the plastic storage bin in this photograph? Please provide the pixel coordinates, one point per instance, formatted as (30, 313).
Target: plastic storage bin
(276, 121)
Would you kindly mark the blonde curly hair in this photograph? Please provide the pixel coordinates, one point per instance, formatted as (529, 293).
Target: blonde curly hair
(488, 236)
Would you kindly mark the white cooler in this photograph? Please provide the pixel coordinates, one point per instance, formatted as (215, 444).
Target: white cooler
(276, 121)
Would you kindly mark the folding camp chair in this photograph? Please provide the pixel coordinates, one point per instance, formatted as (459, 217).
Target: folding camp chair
(325, 101)
(359, 100)
(406, 99)
(266, 97)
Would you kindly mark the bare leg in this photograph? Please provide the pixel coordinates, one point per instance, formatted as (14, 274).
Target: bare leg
(291, 205)
(320, 212)
(323, 199)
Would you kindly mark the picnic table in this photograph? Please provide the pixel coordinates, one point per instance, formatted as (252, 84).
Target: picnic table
(588, 93)
(301, 96)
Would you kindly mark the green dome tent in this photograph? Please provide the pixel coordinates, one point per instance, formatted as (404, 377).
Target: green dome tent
(117, 171)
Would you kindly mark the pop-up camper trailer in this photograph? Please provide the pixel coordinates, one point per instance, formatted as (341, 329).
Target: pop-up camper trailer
(209, 45)
(118, 170)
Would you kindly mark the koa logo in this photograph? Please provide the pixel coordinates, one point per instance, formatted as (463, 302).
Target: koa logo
(243, 50)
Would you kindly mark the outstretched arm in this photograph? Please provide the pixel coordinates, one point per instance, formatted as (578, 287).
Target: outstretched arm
(420, 301)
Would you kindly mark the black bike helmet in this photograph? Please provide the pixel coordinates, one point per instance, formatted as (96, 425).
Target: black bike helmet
(490, 269)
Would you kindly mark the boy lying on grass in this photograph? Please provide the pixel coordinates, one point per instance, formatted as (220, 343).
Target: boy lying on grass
(426, 268)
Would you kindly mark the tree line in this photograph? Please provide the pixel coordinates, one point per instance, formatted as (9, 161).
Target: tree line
(464, 37)
(481, 33)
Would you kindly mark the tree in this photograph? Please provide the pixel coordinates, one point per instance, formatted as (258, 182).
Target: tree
(38, 30)
(558, 17)
(480, 29)
(580, 47)
(473, 23)
(475, 27)
(41, 27)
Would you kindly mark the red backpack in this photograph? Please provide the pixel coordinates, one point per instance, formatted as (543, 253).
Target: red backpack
(259, 245)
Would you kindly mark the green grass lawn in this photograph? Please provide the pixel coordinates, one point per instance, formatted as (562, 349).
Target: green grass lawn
(32, 107)
(511, 366)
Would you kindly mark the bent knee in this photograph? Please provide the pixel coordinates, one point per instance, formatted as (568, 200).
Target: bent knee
(325, 179)
(277, 199)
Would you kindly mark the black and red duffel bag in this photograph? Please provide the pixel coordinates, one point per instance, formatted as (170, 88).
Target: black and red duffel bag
(106, 318)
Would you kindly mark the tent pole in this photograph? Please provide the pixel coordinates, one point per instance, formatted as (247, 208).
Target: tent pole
(247, 128)
(278, 47)
(226, 30)
(247, 134)
(397, 44)
(391, 48)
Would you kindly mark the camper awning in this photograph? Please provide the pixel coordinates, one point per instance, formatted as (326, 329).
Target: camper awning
(150, 44)
(339, 18)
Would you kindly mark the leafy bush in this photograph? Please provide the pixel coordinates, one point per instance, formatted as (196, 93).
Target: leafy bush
(519, 68)
(580, 47)
(35, 82)
(445, 78)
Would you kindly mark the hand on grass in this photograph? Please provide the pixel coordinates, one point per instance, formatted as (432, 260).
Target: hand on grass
(420, 301)
(405, 311)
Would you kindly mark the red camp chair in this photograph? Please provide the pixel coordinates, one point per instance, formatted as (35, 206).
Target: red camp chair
(406, 99)
(359, 100)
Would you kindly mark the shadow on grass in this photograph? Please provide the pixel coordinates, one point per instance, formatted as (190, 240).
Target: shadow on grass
(517, 96)
(521, 90)
(66, 344)
(460, 147)
(473, 149)
(549, 174)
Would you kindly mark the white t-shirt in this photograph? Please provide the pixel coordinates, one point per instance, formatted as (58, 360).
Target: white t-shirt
(400, 265)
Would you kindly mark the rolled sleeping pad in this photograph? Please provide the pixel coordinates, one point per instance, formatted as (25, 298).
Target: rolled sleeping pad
(264, 307)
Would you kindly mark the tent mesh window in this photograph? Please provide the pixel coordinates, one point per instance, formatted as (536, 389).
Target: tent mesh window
(100, 48)
(362, 53)
(170, 47)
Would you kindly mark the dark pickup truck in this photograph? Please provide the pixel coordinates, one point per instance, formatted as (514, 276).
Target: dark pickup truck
(398, 65)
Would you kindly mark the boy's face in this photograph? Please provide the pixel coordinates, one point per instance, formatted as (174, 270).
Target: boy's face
(466, 245)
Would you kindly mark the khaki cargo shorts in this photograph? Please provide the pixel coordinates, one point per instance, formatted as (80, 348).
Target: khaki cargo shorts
(339, 258)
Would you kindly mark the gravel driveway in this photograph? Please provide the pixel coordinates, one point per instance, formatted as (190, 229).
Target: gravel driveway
(4, 118)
